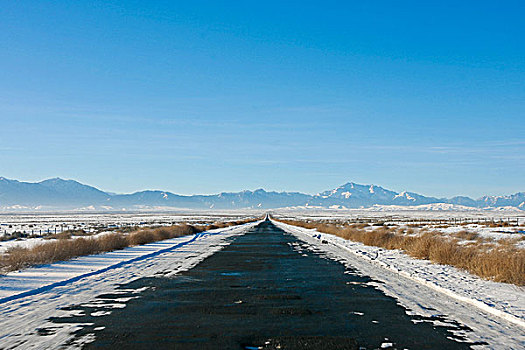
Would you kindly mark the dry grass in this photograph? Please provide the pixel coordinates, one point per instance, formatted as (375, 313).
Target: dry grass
(65, 248)
(499, 262)
(362, 225)
(466, 235)
(500, 224)
(441, 226)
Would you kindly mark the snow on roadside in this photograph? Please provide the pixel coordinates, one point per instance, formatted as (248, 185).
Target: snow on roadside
(22, 243)
(33, 279)
(42, 223)
(27, 319)
(415, 282)
(31, 242)
(494, 233)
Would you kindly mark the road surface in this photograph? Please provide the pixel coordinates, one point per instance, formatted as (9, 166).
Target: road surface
(265, 290)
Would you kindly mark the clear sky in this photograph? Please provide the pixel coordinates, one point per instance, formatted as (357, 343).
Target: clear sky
(211, 96)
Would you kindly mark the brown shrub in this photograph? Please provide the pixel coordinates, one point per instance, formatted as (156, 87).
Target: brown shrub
(362, 225)
(162, 233)
(500, 224)
(112, 241)
(466, 235)
(64, 248)
(60, 235)
(410, 231)
(48, 252)
(141, 237)
(499, 262)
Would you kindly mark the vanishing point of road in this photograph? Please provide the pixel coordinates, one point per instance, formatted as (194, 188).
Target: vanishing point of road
(265, 290)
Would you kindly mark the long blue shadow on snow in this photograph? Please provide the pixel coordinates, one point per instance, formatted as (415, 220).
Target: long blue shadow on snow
(93, 273)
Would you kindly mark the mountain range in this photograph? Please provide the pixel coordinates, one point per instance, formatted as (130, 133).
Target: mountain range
(57, 194)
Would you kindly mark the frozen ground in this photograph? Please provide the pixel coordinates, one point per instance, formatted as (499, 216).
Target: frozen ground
(515, 234)
(398, 214)
(494, 311)
(37, 226)
(30, 297)
(91, 222)
(447, 223)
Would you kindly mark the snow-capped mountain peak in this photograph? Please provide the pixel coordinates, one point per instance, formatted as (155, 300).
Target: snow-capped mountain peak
(60, 193)
(404, 194)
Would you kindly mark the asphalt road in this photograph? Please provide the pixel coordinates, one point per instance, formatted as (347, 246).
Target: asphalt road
(263, 291)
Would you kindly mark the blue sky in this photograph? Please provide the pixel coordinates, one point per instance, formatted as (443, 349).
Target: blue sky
(210, 96)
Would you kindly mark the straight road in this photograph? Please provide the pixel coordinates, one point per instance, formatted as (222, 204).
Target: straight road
(265, 290)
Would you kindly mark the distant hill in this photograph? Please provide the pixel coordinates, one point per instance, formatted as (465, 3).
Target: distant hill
(69, 194)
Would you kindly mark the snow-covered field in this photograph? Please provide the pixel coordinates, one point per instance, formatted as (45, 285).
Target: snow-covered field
(28, 298)
(34, 223)
(398, 213)
(479, 223)
(494, 234)
(36, 226)
(494, 311)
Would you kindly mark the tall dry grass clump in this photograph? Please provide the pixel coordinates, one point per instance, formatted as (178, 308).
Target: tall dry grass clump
(63, 247)
(498, 262)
